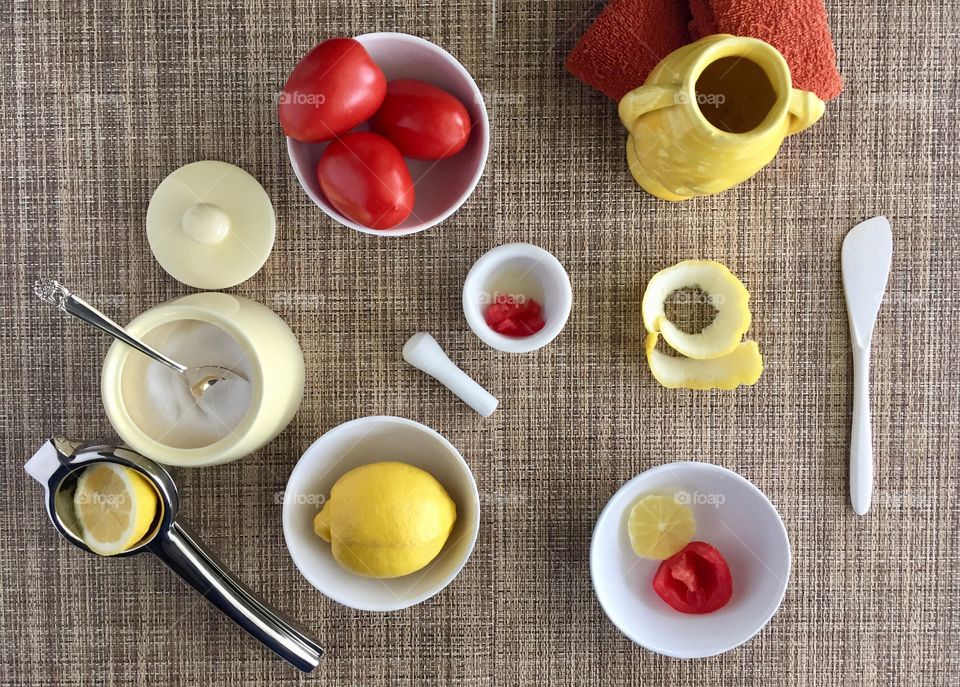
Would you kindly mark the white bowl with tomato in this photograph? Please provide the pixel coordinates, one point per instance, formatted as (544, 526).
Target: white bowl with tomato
(517, 297)
(387, 133)
(722, 581)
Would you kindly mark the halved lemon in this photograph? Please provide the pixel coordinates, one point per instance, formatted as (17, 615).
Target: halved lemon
(659, 526)
(114, 506)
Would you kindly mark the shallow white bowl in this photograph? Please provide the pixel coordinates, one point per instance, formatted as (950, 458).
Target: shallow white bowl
(731, 515)
(369, 440)
(516, 269)
(441, 186)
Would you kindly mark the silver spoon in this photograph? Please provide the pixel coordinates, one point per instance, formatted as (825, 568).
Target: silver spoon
(58, 464)
(199, 379)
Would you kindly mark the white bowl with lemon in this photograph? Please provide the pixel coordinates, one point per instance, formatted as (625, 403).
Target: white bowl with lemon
(381, 513)
(651, 519)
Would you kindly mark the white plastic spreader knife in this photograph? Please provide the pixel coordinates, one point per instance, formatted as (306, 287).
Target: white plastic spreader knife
(865, 260)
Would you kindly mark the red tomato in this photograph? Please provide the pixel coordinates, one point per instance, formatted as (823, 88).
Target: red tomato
(333, 89)
(364, 176)
(424, 122)
(694, 580)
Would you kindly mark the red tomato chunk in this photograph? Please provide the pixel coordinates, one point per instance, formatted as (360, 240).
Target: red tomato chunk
(514, 316)
(695, 580)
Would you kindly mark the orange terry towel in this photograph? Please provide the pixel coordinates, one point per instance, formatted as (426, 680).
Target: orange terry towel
(629, 38)
(626, 41)
(797, 28)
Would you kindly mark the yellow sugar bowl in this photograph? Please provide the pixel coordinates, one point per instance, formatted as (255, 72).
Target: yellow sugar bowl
(711, 115)
(153, 408)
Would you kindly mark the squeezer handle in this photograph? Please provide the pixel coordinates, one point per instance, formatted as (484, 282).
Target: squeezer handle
(185, 555)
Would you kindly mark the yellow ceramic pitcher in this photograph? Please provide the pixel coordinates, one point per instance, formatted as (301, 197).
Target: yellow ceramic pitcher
(711, 115)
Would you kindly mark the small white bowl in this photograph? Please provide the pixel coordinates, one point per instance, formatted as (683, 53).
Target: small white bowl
(733, 516)
(441, 186)
(359, 442)
(517, 270)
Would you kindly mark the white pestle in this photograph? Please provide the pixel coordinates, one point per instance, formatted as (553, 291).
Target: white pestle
(424, 353)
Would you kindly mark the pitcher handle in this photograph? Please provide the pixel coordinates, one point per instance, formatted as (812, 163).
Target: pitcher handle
(645, 99)
(804, 110)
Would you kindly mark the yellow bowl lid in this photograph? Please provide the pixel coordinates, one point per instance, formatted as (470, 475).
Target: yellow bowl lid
(210, 225)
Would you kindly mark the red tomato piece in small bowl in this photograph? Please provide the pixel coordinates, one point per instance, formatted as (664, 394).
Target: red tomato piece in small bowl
(514, 317)
(364, 177)
(423, 121)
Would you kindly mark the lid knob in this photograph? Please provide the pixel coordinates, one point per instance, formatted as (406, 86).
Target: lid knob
(206, 223)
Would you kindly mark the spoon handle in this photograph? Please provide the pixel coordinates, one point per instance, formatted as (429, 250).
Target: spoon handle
(185, 555)
(861, 442)
(51, 291)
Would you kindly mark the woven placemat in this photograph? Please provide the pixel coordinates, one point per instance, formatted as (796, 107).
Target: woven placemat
(101, 100)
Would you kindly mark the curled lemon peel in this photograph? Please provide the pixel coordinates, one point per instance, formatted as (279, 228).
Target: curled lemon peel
(716, 357)
(743, 366)
(724, 292)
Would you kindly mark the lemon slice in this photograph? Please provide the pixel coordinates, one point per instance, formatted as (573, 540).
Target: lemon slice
(727, 294)
(114, 506)
(659, 526)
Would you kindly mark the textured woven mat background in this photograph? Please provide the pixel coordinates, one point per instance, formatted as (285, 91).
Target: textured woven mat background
(100, 100)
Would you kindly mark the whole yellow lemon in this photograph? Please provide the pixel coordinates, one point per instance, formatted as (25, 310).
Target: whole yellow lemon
(386, 519)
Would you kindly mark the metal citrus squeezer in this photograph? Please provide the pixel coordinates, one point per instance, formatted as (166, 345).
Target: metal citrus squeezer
(57, 465)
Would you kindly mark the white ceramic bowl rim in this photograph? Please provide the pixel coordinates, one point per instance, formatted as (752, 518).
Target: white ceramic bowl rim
(302, 467)
(484, 266)
(607, 512)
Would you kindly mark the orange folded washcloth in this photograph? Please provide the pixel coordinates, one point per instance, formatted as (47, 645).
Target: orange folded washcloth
(629, 38)
(798, 29)
(626, 41)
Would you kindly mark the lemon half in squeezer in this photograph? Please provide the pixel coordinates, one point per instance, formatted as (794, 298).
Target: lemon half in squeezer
(115, 507)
